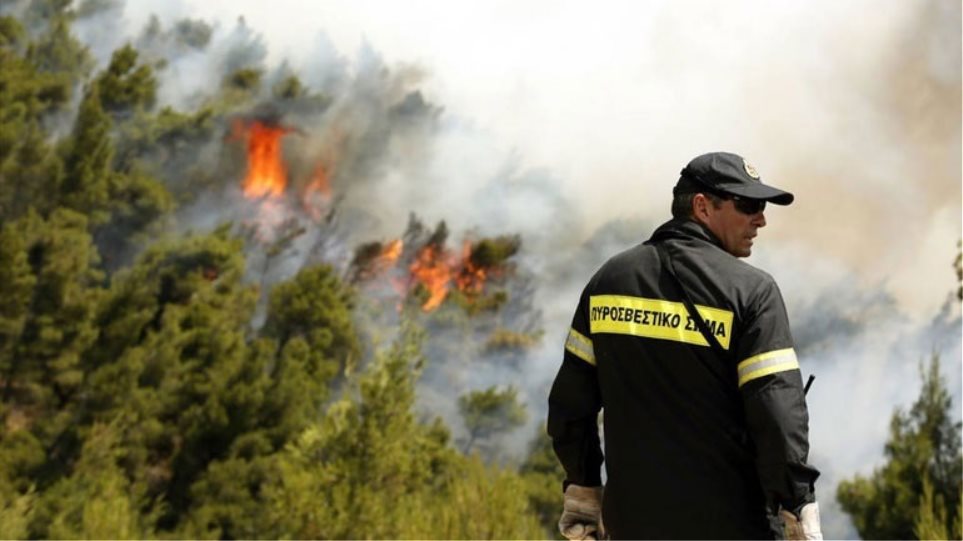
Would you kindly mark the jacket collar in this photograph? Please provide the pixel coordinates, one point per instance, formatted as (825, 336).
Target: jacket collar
(684, 228)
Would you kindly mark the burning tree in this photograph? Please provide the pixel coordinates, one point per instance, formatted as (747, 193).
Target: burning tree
(266, 175)
(424, 270)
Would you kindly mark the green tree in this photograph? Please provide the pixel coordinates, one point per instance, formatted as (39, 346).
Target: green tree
(490, 412)
(289, 88)
(16, 287)
(40, 11)
(202, 403)
(88, 8)
(97, 500)
(923, 450)
(44, 344)
(121, 205)
(244, 79)
(186, 34)
(138, 206)
(193, 33)
(312, 338)
(307, 341)
(164, 137)
(15, 515)
(51, 287)
(543, 475)
(312, 314)
(172, 366)
(56, 50)
(228, 499)
(86, 186)
(126, 86)
(932, 521)
(370, 470)
(12, 32)
(29, 169)
(31, 177)
(21, 455)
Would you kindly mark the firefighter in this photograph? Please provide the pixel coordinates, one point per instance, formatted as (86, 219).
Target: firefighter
(705, 418)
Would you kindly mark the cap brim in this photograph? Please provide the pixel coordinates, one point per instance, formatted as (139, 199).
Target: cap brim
(759, 191)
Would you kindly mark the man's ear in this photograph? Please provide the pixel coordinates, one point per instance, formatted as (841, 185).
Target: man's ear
(700, 204)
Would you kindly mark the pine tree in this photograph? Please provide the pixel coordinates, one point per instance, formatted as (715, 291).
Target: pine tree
(490, 413)
(370, 470)
(125, 86)
(32, 176)
(15, 514)
(310, 318)
(543, 475)
(21, 457)
(173, 366)
(29, 169)
(56, 50)
(164, 140)
(44, 344)
(16, 288)
(86, 186)
(97, 500)
(306, 343)
(12, 33)
(923, 450)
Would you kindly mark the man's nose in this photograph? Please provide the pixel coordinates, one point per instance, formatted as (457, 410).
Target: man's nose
(759, 220)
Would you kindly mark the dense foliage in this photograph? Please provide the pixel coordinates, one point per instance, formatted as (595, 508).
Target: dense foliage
(148, 386)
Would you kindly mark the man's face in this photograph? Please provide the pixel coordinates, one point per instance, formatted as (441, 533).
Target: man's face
(734, 228)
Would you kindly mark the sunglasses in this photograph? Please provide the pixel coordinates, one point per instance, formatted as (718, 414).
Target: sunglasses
(747, 206)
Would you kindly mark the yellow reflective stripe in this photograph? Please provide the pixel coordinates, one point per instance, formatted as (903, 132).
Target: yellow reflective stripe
(657, 318)
(580, 346)
(770, 362)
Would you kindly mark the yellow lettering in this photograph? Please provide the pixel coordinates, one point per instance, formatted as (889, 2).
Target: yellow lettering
(656, 318)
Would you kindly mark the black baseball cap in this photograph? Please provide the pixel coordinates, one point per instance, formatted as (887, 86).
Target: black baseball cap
(727, 173)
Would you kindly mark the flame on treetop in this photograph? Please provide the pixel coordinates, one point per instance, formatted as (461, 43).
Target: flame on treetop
(266, 174)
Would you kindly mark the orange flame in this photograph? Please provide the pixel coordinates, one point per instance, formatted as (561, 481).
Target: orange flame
(437, 270)
(431, 269)
(388, 257)
(266, 174)
(391, 252)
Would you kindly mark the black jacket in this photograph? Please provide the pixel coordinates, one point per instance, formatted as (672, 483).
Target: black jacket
(696, 446)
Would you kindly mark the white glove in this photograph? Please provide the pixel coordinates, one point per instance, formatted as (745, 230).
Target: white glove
(806, 526)
(582, 513)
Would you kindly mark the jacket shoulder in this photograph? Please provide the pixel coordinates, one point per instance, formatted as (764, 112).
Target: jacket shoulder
(626, 261)
(751, 276)
(741, 274)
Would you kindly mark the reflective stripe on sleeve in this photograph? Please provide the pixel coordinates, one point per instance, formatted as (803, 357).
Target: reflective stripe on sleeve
(580, 346)
(767, 363)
